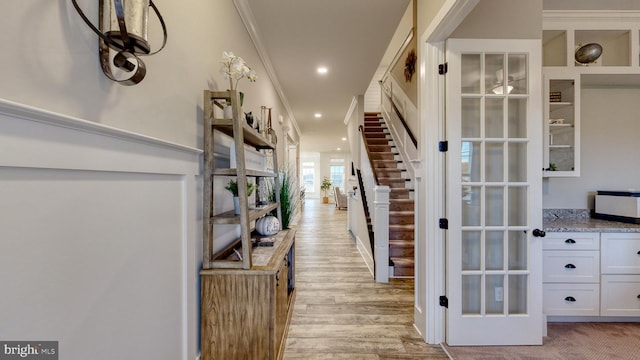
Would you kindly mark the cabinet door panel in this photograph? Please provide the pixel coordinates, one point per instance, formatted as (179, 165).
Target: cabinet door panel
(620, 253)
(571, 266)
(571, 299)
(572, 241)
(620, 295)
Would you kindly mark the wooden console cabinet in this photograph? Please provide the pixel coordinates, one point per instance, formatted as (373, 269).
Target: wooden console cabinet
(246, 313)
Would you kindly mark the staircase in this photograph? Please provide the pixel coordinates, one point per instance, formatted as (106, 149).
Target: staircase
(389, 170)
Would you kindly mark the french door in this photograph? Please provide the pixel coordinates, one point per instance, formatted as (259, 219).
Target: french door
(494, 200)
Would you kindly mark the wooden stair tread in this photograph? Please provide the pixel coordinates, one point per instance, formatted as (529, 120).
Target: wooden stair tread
(402, 261)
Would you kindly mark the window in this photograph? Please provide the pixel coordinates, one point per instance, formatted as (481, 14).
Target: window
(308, 176)
(337, 176)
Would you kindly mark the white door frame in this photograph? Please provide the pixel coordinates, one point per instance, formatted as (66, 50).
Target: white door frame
(430, 182)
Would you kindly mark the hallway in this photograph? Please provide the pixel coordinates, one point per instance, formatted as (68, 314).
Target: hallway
(340, 312)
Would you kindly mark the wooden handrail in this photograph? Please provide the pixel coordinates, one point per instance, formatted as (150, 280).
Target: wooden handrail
(366, 146)
(397, 111)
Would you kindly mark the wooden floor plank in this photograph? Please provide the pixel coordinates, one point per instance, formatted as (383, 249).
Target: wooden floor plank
(340, 311)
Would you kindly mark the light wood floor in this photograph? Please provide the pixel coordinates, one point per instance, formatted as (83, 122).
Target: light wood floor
(340, 312)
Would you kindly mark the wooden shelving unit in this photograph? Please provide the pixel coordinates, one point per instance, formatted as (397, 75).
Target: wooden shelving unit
(247, 294)
(242, 134)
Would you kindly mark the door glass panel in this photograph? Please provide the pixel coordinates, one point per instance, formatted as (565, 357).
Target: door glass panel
(517, 122)
(494, 162)
(471, 118)
(518, 294)
(518, 200)
(471, 70)
(494, 208)
(517, 162)
(471, 157)
(471, 250)
(493, 118)
(494, 250)
(471, 205)
(518, 73)
(494, 74)
(471, 294)
(494, 295)
(517, 250)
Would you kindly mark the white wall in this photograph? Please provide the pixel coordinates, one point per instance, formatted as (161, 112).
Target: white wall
(51, 63)
(98, 232)
(502, 19)
(609, 149)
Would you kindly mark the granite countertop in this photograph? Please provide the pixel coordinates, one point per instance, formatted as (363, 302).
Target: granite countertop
(579, 220)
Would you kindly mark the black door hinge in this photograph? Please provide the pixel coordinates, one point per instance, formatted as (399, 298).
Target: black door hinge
(443, 68)
(444, 301)
(443, 223)
(443, 146)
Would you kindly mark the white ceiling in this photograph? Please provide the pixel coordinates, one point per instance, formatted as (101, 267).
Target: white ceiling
(349, 37)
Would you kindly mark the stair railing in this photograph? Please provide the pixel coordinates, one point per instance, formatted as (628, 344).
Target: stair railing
(377, 197)
(397, 122)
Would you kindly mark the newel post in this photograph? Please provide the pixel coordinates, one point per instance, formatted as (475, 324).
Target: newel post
(381, 232)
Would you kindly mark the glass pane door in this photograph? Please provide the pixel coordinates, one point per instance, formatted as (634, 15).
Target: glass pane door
(494, 133)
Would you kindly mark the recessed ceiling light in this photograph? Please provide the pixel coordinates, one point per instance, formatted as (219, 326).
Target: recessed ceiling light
(344, 139)
(322, 70)
(338, 149)
(317, 115)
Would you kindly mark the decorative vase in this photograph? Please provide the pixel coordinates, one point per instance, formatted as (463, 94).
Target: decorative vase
(236, 205)
(227, 112)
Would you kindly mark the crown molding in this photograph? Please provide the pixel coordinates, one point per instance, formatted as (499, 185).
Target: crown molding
(244, 10)
(597, 16)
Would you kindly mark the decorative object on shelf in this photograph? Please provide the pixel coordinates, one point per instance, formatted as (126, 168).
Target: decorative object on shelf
(268, 225)
(289, 196)
(232, 186)
(588, 54)
(235, 68)
(262, 191)
(249, 118)
(555, 96)
(324, 187)
(410, 65)
(123, 28)
(271, 134)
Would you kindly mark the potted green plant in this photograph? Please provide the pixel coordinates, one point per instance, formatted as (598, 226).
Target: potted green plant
(289, 196)
(325, 186)
(232, 186)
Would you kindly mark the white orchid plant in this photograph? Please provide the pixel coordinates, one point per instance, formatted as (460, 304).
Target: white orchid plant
(235, 68)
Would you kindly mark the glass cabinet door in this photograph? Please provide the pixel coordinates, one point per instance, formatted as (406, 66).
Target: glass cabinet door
(561, 125)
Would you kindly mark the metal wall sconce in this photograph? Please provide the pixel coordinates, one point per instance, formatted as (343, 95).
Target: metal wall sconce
(123, 28)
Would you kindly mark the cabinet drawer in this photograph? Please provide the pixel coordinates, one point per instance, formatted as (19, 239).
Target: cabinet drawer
(620, 253)
(571, 266)
(571, 299)
(620, 295)
(571, 241)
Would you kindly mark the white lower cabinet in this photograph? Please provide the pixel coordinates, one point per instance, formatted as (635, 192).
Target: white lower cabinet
(571, 274)
(571, 299)
(591, 274)
(620, 274)
(620, 295)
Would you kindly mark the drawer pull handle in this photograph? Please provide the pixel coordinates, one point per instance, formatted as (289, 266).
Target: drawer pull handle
(570, 298)
(569, 241)
(638, 252)
(570, 266)
(638, 296)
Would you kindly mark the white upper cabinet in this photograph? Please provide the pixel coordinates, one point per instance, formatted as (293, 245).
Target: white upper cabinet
(612, 35)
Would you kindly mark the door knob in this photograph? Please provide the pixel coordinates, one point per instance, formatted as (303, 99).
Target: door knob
(539, 233)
